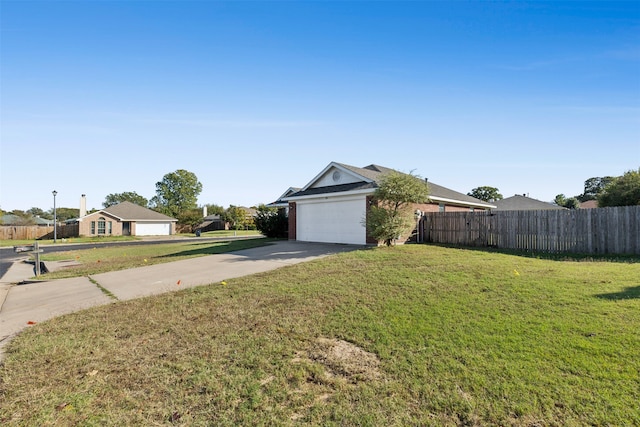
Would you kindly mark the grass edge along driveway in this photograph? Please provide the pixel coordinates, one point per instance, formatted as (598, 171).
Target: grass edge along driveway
(413, 335)
(102, 259)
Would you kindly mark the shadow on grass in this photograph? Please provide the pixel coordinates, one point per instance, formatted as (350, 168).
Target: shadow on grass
(627, 259)
(213, 248)
(632, 292)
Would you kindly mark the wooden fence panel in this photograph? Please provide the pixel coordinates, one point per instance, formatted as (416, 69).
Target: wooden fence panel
(613, 230)
(37, 232)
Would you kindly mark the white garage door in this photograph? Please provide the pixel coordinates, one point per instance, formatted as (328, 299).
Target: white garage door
(331, 221)
(153, 229)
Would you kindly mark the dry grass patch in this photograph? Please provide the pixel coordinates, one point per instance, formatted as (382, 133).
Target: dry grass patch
(345, 359)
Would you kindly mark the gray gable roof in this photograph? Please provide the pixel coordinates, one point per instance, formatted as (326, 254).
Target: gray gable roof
(127, 211)
(11, 219)
(281, 202)
(372, 175)
(438, 192)
(523, 203)
(372, 172)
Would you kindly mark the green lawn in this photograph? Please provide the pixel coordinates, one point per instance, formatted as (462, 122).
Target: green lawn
(413, 335)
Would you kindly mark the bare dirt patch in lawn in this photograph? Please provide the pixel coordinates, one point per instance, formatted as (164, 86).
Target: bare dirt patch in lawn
(345, 359)
(331, 365)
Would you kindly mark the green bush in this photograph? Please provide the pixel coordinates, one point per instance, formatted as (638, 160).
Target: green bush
(272, 222)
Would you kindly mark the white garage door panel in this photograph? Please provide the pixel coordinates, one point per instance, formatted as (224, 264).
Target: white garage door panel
(331, 221)
(154, 229)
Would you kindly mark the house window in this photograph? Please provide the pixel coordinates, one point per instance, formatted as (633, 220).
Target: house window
(110, 227)
(441, 207)
(93, 227)
(472, 209)
(101, 225)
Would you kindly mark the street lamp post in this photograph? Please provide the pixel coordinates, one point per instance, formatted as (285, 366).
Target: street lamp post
(55, 218)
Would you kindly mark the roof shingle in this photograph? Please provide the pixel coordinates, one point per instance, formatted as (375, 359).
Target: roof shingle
(375, 173)
(128, 211)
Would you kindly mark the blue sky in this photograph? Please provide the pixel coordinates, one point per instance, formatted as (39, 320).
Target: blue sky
(101, 97)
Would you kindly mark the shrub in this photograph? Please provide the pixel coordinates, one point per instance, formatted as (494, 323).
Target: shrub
(272, 222)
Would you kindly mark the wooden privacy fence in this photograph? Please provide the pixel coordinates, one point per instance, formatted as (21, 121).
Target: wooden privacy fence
(590, 231)
(37, 232)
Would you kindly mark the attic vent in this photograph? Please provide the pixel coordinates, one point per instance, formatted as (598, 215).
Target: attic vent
(336, 176)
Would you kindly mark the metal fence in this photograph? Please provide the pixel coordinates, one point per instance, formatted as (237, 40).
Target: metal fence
(613, 230)
(37, 232)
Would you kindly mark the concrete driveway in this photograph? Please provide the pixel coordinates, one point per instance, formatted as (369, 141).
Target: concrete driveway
(24, 304)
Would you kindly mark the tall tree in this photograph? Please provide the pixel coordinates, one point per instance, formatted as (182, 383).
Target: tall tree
(236, 216)
(63, 214)
(391, 216)
(127, 196)
(190, 219)
(560, 199)
(213, 209)
(37, 212)
(622, 191)
(570, 203)
(486, 193)
(594, 186)
(178, 191)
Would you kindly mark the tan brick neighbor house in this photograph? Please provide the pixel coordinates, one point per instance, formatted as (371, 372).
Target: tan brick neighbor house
(126, 219)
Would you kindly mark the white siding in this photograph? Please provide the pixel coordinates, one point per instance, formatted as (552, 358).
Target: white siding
(153, 228)
(334, 220)
(342, 177)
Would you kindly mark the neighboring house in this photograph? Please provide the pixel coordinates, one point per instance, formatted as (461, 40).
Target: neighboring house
(281, 203)
(213, 223)
(523, 203)
(332, 206)
(126, 219)
(589, 204)
(10, 219)
(44, 221)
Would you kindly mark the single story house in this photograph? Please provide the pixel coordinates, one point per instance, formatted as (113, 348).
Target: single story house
(11, 219)
(281, 203)
(212, 223)
(126, 219)
(589, 204)
(332, 206)
(524, 203)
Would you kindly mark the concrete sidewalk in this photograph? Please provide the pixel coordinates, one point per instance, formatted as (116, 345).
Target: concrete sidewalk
(24, 304)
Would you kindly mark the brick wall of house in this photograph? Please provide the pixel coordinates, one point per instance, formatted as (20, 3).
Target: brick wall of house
(84, 228)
